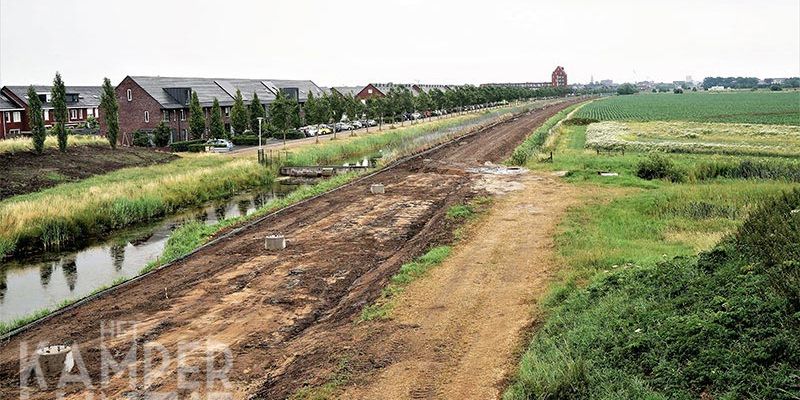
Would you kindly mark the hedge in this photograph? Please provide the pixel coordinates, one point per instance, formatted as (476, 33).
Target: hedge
(184, 146)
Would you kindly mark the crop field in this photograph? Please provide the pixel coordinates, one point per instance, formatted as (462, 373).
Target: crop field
(781, 108)
(696, 137)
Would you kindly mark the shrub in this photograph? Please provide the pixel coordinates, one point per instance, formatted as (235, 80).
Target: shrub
(184, 145)
(658, 166)
(196, 148)
(161, 135)
(248, 140)
(580, 121)
(748, 169)
(627, 88)
(770, 238)
(142, 139)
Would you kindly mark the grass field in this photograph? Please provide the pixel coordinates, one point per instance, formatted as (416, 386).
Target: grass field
(782, 108)
(637, 313)
(695, 137)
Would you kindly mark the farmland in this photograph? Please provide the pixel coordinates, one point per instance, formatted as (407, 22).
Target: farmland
(695, 137)
(736, 107)
(668, 289)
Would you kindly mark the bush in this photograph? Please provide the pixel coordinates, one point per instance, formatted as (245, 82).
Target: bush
(658, 166)
(184, 145)
(770, 238)
(161, 135)
(627, 88)
(775, 88)
(142, 139)
(245, 140)
(580, 121)
(196, 147)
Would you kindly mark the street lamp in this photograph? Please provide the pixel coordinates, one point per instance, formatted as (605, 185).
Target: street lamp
(259, 132)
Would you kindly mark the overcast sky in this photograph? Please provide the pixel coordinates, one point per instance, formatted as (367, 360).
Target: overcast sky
(348, 42)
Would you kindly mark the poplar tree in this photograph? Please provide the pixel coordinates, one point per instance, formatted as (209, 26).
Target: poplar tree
(239, 119)
(110, 108)
(217, 125)
(59, 102)
(197, 121)
(36, 120)
(256, 110)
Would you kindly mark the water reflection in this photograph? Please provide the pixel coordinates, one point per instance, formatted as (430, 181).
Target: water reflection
(36, 282)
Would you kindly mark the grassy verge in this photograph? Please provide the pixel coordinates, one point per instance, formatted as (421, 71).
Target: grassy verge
(460, 214)
(531, 146)
(637, 314)
(20, 144)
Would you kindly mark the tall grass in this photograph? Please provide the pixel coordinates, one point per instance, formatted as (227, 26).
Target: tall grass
(531, 146)
(66, 213)
(21, 144)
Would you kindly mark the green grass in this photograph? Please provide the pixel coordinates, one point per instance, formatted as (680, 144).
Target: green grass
(627, 319)
(533, 144)
(382, 308)
(738, 107)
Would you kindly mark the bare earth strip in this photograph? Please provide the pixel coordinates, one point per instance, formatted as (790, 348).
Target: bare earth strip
(286, 317)
(469, 315)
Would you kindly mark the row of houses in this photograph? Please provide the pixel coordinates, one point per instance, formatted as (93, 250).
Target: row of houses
(83, 103)
(146, 101)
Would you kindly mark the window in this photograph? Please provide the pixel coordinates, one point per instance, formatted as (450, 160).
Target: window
(166, 115)
(227, 111)
(46, 115)
(73, 114)
(369, 91)
(183, 115)
(130, 95)
(80, 113)
(147, 116)
(7, 116)
(13, 132)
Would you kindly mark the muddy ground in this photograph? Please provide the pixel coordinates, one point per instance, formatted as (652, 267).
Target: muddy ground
(287, 317)
(28, 172)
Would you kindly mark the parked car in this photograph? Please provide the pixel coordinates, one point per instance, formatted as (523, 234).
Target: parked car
(416, 115)
(342, 126)
(310, 131)
(219, 144)
(357, 124)
(372, 122)
(325, 130)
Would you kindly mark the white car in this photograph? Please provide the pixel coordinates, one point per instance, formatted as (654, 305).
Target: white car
(219, 145)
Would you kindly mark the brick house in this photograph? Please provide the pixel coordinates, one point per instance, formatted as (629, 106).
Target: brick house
(558, 77)
(145, 101)
(82, 102)
(383, 89)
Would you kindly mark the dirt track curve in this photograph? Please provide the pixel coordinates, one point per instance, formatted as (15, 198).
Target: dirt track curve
(286, 317)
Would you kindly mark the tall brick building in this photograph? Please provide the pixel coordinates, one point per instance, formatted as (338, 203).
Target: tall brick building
(559, 77)
(145, 101)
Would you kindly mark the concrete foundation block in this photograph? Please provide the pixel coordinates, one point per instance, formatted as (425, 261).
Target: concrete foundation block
(275, 242)
(377, 188)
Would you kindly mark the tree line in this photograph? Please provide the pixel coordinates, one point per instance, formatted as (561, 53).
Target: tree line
(746, 82)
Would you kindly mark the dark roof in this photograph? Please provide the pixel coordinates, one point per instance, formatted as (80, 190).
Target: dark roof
(6, 104)
(386, 87)
(222, 89)
(428, 87)
(345, 90)
(88, 96)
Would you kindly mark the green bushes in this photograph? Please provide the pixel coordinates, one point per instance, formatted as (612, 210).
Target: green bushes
(141, 139)
(658, 166)
(777, 169)
(245, 140)
(184, 145)
(770, 238)
(708, 326)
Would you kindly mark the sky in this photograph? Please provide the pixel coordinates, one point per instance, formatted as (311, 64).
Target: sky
(353, 42)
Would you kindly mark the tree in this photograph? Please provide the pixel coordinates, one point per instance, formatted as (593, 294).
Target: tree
(59, 102)
(110, 108)
(36, 120)
(437, 98)
(161, 134)
(627, 88)
(197, 121)
(256, 110)
(295, 120)
(423, 102)
(217, 126)
(279, 113)
(239, 120)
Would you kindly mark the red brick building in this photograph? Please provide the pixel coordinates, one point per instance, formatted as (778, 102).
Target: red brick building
(145, 101)
(82, 102)
(559, 77)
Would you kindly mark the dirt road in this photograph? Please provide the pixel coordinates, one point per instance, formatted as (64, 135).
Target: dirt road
(286, 318)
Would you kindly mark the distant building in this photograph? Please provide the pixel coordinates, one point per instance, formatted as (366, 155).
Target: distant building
(607, 82)
(558, 77)
(82, 103)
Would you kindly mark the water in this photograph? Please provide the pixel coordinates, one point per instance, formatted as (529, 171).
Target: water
(45, 280)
